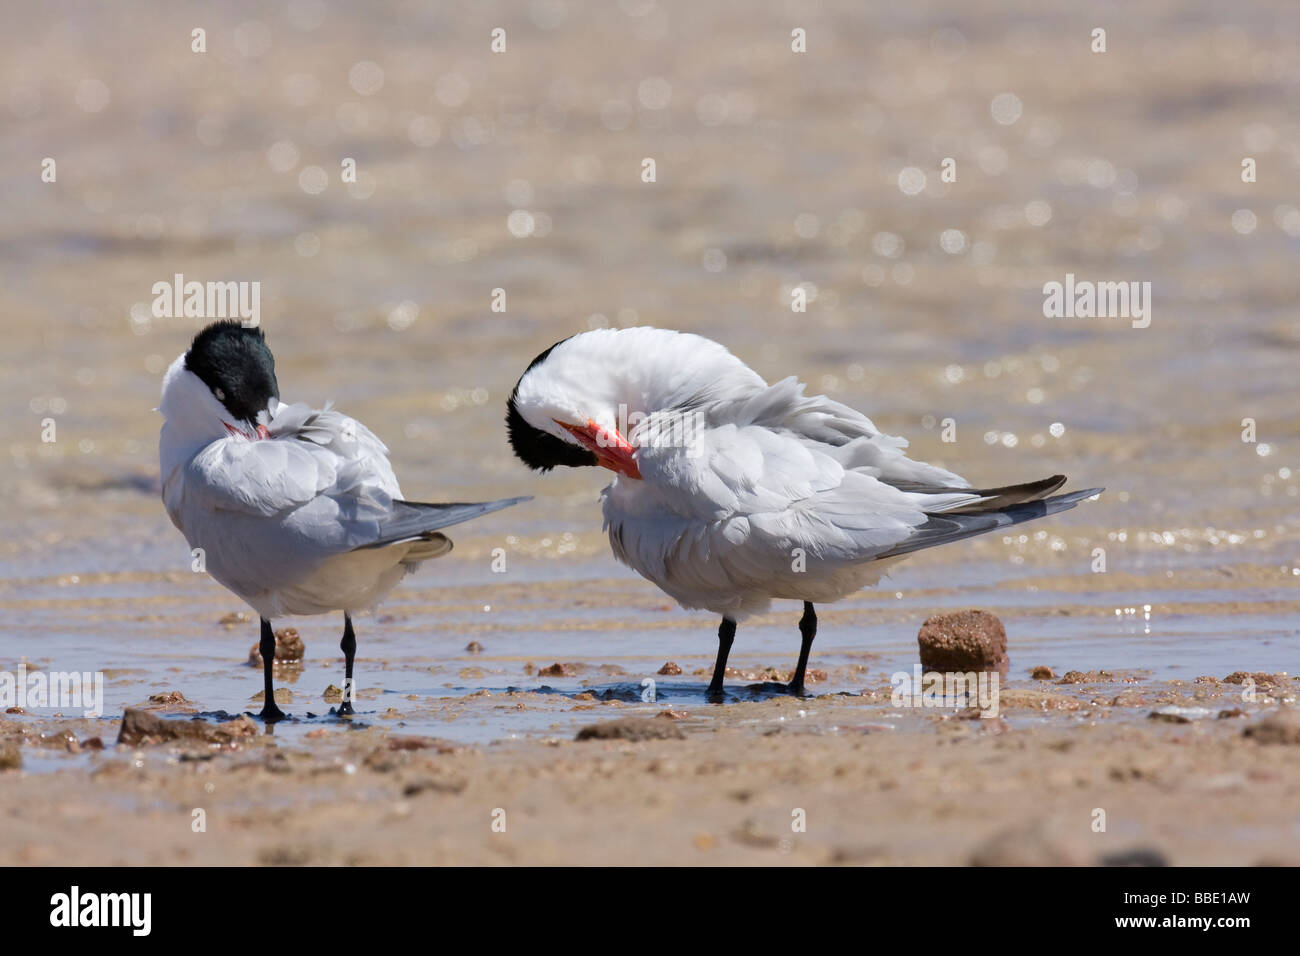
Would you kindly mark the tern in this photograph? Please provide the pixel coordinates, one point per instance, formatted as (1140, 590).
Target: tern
(729, 492)
(294, 509)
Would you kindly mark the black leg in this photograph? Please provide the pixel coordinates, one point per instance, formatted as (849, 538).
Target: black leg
(349, 646)
(808, 630)
(270, 710)
(726, 634)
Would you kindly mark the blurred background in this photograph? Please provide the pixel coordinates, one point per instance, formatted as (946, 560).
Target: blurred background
(521, 171)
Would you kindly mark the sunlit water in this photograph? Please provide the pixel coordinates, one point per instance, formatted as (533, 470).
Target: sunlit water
(773, 171)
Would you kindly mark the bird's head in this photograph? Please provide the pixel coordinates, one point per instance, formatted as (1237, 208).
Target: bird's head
(223, 385)
(590, 399)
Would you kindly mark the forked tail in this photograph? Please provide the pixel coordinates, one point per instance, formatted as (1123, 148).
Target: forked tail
(994, 513)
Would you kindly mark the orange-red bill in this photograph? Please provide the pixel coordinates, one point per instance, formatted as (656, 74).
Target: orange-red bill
(262, 431)
(611, 449)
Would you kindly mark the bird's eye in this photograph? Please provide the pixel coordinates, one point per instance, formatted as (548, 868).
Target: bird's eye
(221, 396)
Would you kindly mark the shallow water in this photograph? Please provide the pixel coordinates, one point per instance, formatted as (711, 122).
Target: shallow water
(791, 170)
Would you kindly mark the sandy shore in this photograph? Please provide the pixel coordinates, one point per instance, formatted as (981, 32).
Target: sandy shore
(1214, 781)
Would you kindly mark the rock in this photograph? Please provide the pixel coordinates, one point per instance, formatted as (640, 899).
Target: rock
(333, 695)
(172, 698)
(1012, 698)
(234, 619)
(1178, 715)
(289, 648)
(1129, 698)
(557, 669)
(1260, 679)
(1042, 672)
(474, 647)
(11, 758)
(1097, 677)
(964, 641)
(450, 785)
(1280, 727)
(141, 727)
(670, 669)
(632, 728)
(422, 743)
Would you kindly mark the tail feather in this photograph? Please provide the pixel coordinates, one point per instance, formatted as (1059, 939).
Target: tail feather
(990, 499)
(954, 525)
(416, 520)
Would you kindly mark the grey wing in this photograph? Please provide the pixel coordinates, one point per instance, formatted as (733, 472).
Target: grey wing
(258, 478)
(415, 520)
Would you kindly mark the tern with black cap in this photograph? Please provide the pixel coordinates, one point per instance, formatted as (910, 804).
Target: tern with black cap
(295, 509)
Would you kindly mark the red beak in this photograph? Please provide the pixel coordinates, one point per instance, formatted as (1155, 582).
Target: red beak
(611, 449)
(262, 431)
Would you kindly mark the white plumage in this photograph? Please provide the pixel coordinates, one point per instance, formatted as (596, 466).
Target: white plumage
(280, 520)
(294, 509)
(776, 494)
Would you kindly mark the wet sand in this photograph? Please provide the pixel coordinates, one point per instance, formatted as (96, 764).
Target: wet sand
(1210, 782)
(773, 172)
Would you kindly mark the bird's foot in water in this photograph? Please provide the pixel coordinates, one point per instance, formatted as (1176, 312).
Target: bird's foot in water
(715, 694)
(345, 709)
(271, 713)
(796, 690)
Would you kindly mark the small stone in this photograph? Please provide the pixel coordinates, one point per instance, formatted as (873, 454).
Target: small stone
(1128, 698)
(289, 648)
(1042, 672)
(1087, 677)
(431, 785)
(172, 698)
(670, 669)
(632, 728)
(963, 641)
(11, 758)
(1261, 680)
(142, 727)
(474, 647)
(561, 670)
(1280, 727)
(1178, 715)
